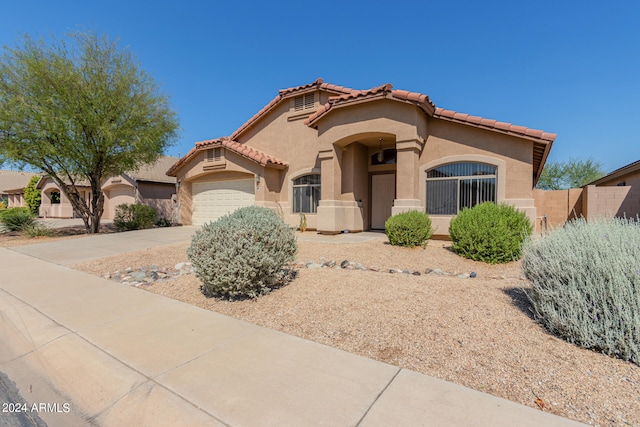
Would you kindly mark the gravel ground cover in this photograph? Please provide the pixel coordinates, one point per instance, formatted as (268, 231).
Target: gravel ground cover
(477, 332)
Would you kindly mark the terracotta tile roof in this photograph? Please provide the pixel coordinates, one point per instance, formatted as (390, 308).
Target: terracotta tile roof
(454, 116)
(542, 141)
(282, 94)
(241, 149)
(285, 93)
(345, 96)
(383, 91)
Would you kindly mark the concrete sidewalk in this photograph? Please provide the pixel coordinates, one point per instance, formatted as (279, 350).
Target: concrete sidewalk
(119, 355)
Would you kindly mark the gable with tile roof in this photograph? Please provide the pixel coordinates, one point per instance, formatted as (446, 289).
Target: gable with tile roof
(348, 159)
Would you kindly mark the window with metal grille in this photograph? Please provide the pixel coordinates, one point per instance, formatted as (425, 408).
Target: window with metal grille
(453, 187)
(306, 194)
(304, 102)
(214, 154)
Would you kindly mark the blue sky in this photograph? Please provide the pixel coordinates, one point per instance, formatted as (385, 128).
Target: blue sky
(567, 67)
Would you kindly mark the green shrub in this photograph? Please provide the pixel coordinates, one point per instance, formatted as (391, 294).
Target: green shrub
(33, 196)
(163, 222)
(585, 284)
(14, 219)
(490, 232)
(410, 229)
(36, 229)
(243, 254)
(134, 217)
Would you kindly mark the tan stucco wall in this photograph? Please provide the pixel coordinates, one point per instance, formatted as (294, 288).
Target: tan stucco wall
(16, 200)
(450, 142)
(453, 139)
(282, 134)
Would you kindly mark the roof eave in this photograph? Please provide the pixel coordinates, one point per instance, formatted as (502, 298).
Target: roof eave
(538, 172)
(618, 173)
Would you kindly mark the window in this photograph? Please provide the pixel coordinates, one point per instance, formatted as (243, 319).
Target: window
(55, 197)
(306, 194)
(453, 187)
(304, 102)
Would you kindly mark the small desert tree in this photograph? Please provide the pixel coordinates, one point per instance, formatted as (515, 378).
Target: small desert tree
(574, 173)
(81, 110)
(33, 196)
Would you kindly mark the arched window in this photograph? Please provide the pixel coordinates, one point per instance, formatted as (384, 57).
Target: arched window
(455, 186)
(306, 193)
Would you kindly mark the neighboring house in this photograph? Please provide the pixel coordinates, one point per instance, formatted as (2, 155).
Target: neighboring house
(54, 203)
(150, 186)
(12, 184)
(616, 194)
(348, 159)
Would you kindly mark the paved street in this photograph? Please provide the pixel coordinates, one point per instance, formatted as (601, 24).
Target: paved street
(14, 410)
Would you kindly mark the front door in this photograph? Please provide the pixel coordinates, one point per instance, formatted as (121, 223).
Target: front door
(383, 191)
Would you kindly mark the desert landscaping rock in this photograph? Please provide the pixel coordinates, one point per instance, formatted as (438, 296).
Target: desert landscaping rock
(478, 333)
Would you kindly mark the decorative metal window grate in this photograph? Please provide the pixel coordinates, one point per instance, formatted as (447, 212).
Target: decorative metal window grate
(453, 187)
(306, 194)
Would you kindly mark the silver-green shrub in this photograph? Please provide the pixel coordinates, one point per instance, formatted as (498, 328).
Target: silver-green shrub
(585, 284)
(243, 254)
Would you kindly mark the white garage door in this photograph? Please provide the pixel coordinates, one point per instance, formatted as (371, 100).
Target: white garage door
(214, 199)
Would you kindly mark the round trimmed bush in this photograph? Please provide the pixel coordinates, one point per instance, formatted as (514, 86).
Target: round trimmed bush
(489, 232)
(585, 284)
(410, 229)
(243, 254)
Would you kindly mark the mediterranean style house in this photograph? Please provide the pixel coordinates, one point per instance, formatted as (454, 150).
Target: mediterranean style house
(349, 159)
(150, 186)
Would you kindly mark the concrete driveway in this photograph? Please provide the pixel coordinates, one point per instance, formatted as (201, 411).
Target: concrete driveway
(70, 251)
(118, 355)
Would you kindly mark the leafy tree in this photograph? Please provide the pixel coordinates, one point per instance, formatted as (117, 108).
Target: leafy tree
(81, 110)
(574, 173)
(33, 196)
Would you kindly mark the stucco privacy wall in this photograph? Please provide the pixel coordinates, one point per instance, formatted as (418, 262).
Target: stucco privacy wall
(555, 207)
(589, 202)
(608, 202)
